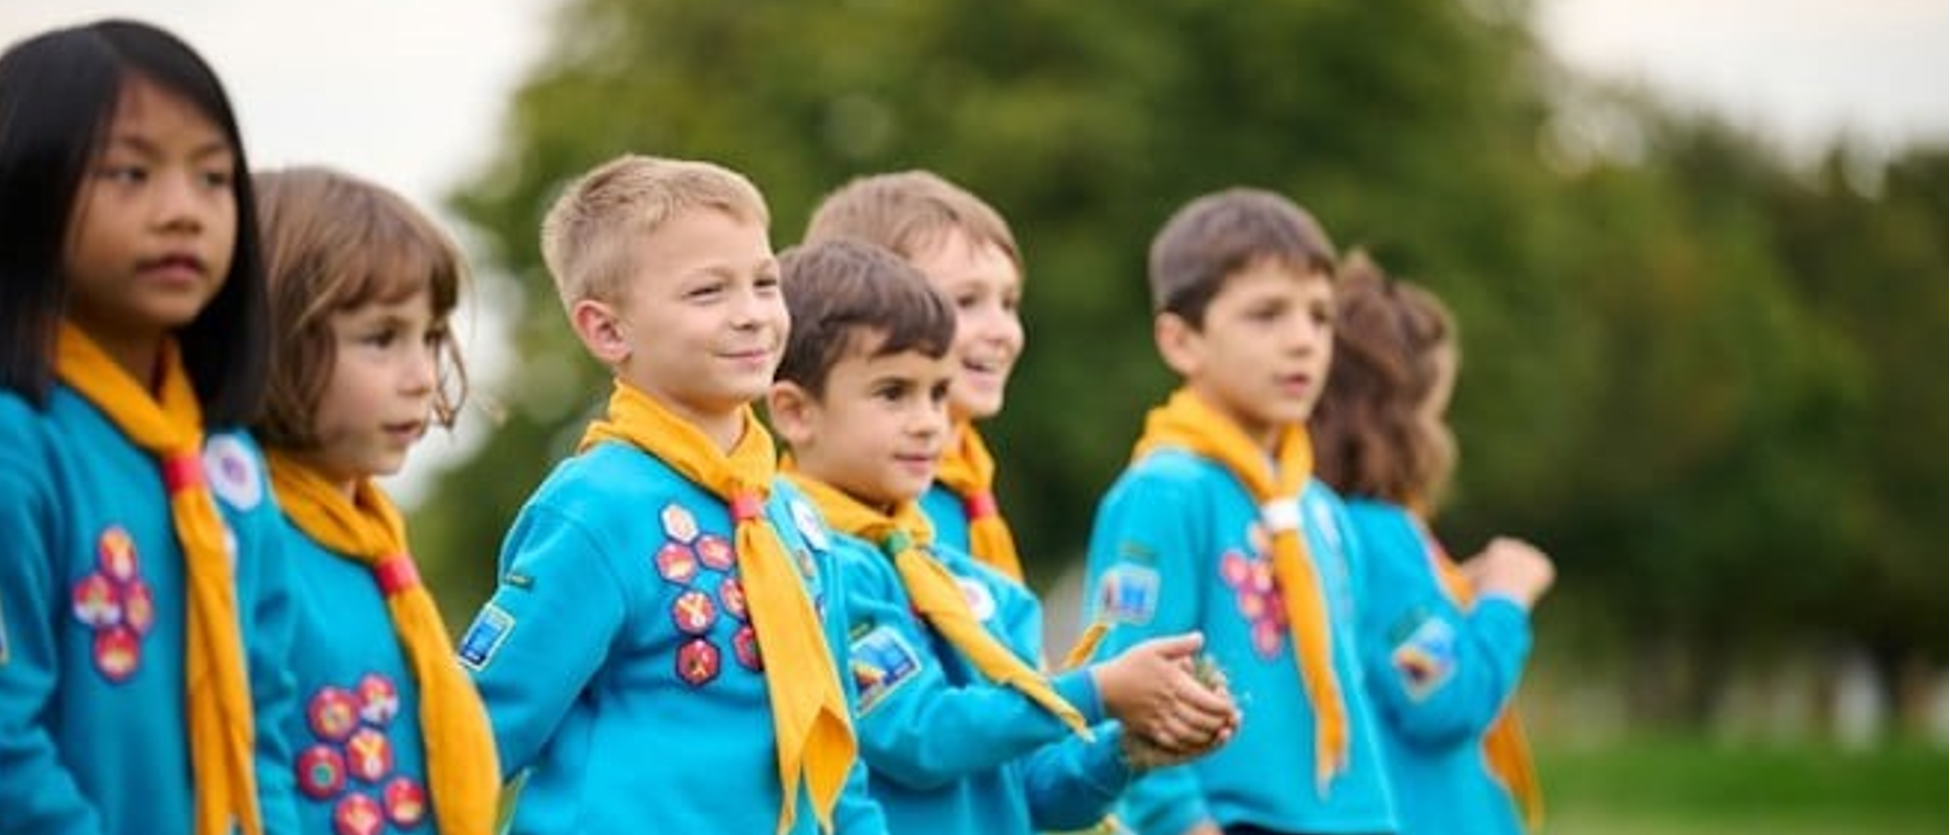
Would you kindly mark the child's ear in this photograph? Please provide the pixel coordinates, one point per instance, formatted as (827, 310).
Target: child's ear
(599, 329)
(792, 409)
(1178, 342)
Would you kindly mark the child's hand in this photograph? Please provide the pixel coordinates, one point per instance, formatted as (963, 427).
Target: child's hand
(1144, 754)
(1154, 690)
(1512, 568)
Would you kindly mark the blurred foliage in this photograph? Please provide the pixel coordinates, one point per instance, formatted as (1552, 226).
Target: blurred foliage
(1710, 382)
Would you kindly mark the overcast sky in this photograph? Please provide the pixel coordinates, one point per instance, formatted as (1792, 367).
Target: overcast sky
(411, 92)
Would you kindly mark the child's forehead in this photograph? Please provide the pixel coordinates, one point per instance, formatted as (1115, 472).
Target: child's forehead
(1270, 274)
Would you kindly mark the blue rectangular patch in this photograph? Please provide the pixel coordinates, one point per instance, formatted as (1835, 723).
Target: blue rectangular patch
(485, 637)
(1128, 594)
(1426, 658)
(881, 661)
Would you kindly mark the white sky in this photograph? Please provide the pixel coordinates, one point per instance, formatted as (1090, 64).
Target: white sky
(411, 93)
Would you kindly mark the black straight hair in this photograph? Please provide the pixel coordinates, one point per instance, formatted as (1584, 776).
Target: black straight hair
(58, 94)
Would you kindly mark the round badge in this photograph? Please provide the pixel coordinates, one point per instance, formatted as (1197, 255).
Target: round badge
(378, 699)
(115, 553)
(333, 713)
(810, 525)
(981, 603)
(357, 814)
(1266, 639)
(232, 472)
(118, 652)
(676, 563)
(97, 602)
(1234, 568)
(321, 772)
(406, 802)
(138, 607)
(369, 755)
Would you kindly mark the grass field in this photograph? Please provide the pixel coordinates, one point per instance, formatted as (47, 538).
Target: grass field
(1674, 787)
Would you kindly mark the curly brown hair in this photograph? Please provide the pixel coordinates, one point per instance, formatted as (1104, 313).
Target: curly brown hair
(1379, 430)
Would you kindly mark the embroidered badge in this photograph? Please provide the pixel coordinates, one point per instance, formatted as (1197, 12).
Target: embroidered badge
(357, 814)
(378, 699)
(1426, 658)
(676, 563)
(881, 661)
(679, 524)
(321, 772)
(118, 652)
(744, 645)
(368, 755)
(693, 612)
(485, 637)
(715, 552)
(406, 802)
(332, 713)
(810, 525)
(1128, 594)
(697, 662)
(731, 594)
(1258, 600)
(980, 601)
(232, 472)
(115, 603)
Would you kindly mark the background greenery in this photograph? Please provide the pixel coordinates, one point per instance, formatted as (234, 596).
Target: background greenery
(1708, 378)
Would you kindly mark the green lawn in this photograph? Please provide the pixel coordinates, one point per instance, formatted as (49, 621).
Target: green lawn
(1669, 787)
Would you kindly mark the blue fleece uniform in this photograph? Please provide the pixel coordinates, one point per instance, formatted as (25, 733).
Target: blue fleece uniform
(1438, 675)
(619, 666)
(1177, 547)
(356, 744)
(952, 752)
(93, 608)
(949, 516)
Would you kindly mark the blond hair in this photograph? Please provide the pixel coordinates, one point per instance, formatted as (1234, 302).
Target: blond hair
(907, 212)
(591, 234)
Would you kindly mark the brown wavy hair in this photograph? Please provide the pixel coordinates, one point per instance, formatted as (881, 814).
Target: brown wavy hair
(1376, 432)
(332, 243)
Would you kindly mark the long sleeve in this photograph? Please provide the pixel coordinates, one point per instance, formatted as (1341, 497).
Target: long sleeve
(1143, 581)
(1439, 674)
(554, 575)
(39, 794)
(269, 641)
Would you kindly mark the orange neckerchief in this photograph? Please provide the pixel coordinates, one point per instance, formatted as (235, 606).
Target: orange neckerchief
(462, 772)
(968, 470)
(904, 537)
(1187, 423)
(808, 709)
(169, 426)
(1504, 746)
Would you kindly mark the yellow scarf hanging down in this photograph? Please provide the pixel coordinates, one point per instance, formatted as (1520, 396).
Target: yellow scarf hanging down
(1186, 422)
(169, 426)
(936, 595)
(1504, 745)
(808, 708)
(462, 773)
(968, 470)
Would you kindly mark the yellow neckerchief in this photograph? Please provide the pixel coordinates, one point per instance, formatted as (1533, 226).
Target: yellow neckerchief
(808, 710)
(935, 593)
(463, 776)
(968, 470)
(170, 427)
(1504, 746)
(1188, 423)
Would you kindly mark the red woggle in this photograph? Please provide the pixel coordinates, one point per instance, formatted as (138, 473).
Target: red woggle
(980, 505)
(746, 507)
(396, 574)
(182, 472)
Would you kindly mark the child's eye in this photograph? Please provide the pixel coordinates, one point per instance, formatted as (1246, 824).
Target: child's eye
(383, 338)
(215, 179)
(967, 301)
(766, 281)
(123, 173)
(939, 394)
(705, 291)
